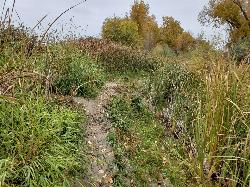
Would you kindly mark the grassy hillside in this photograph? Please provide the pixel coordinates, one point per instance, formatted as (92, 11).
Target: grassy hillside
(180, 120)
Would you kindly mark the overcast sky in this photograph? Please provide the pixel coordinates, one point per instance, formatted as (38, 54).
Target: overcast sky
(90, 15)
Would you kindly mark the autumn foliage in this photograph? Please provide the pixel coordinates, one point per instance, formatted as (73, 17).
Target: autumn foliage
(235, 14)
(140, 29)
(121, 30)
(148, 27)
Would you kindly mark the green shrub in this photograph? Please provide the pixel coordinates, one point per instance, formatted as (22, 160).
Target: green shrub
(81, 76)
(174, 86)
(117, 58)
(163, 50)
(139, 145)
(123, 31)
(40, 144)
(241, 50)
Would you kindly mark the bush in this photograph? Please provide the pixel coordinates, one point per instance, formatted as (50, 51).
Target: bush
(139, 144)
(185, 42)
(163, 50)
(40, 144)
(117, 58)
(174, 86)
(80, 76)
(18, 38)
(241, 50)
(123, 31)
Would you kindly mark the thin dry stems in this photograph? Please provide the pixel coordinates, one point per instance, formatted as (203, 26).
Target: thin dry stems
(51, 24)
(4, 4)
(11, 13)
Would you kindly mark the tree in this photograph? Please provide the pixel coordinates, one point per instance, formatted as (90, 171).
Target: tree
(148, 27)
(185, 42)
(140, 14)
(233, 13)
(121, 30)
(151, 33)
(170, 31)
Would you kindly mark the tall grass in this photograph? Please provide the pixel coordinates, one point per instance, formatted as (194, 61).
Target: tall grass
(214, 130)
(222, 127)
(40, 144)
(41, 140)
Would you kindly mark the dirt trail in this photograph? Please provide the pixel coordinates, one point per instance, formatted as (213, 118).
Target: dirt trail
(98, 127)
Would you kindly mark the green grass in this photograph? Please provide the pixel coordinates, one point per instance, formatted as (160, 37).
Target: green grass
(41, 141)
(40, 144)
(198, 133)
(139, 144)
(80, 75)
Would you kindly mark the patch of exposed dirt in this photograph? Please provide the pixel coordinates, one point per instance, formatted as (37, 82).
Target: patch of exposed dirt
(101, 153)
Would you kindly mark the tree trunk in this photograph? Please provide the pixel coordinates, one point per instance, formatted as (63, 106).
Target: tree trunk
(248, 9)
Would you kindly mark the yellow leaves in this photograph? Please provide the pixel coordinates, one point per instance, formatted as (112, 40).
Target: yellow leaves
(140, 14)
(227, 10)
(121, 30)
(185, 41)
(233, 13)
(147, 25)
(170, 31)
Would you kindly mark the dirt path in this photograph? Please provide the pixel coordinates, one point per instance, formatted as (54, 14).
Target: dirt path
(98, 127)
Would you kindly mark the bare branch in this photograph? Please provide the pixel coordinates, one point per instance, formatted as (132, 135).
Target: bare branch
(39, 22)
(11, 13)
(50, 25)
(4, 4)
